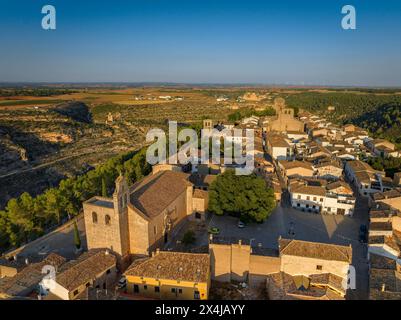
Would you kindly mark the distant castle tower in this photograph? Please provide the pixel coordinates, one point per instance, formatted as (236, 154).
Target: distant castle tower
(207, 124)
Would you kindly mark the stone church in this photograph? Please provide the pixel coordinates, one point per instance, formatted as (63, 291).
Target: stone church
(139, 219)
(284, 120)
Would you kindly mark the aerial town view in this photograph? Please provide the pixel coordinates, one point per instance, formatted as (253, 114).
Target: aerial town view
(169, 151)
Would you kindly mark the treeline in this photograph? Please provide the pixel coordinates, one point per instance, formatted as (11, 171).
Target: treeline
(26, 218)
(347, 105)
(35, 92)
(384, 122)
(379, 114)
(389, 165)
(248, 112)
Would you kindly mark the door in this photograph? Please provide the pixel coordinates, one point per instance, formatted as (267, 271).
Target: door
(341, 211)
(136, 288)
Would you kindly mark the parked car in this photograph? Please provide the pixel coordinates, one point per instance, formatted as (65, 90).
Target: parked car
(122, 283)
(241, 224)
(214, 230)
(363, 233)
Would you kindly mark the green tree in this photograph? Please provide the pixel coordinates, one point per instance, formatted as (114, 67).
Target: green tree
(77, 238)
(104, 187)
(246, 197)
(188, 238)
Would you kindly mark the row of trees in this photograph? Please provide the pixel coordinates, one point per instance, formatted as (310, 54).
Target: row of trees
(35, 92)
(26, 217)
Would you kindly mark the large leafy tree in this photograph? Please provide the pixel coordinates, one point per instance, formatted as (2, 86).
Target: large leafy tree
(244, 196)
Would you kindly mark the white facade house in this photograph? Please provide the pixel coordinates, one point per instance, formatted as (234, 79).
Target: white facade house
(279, 148)
(364, 177)
(317, 199)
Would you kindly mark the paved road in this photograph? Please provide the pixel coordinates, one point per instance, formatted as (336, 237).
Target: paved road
(60, 241)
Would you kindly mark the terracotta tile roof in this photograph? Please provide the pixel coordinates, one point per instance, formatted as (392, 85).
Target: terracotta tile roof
(312, 190)
(154, 193)
(395, 193)
(29, 276)
(170, 265)
(380, 226)
(89, 265)
(283, 286)
(380, 262)
(387, 277)
(277, 141)
(200, 194)
(391, 241)
(316, 250)
(295, 164)
(338, 184)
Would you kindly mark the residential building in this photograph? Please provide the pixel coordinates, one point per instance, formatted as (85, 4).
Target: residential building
(320, 199)
(391, 198)
(279, 147)
(295, 169)
(26, 281)
(331, 170)
(95, 268)
(170, 275)
(310, 271)
(364, 177)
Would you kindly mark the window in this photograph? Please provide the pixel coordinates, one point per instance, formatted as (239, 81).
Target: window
(314, 198)
(319, 267)
(307, 205)
(196, 295)
(328, 209)
(157, 289)
(107, 220)
(173, 290)
(154, 229)
(76, 292)
(180, 291)
(299, 196)
(145, 287)
(298, 204)
(136, 288)
(94, 217)
(321, 199)
(307, 198)
(87, 285)
(108, 271)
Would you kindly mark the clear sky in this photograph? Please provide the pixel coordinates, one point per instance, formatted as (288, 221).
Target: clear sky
(202, 41)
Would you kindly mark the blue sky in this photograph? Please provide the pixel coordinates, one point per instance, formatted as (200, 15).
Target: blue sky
(202, 41)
